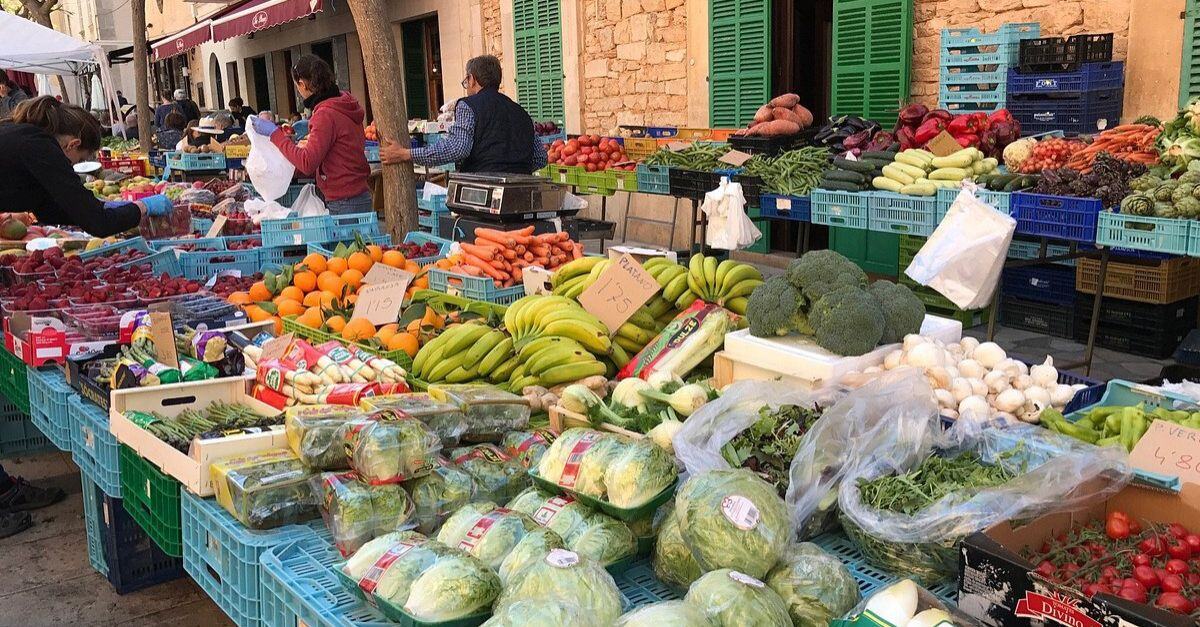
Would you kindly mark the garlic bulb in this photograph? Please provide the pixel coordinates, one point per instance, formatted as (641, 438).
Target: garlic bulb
(997, 381)
(892, 360)
(945, 398)
(925, 356)
(960, 388)
(1020, 382)
(989, 354)
(1061, 394)
(1045, 374)
(912, 340)
(971, 369)
(1009, 400)
(978, 387)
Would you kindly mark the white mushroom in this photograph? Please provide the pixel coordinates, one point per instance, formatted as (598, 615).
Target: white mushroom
(1044, 374)
(938, 378)
(1038, 395)
(912, 340)
(978, 387)
(949, 413)
(1061, 394)
(997, 381)
(971, 369)
(1020, 382)
(945, 398)
(1009, 400)
(926, 356)
(872, 369)
(989, 354)
(960, 388)
(1013, 367)
(968, 345)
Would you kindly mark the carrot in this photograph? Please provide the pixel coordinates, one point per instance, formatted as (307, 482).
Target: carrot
(500, 237)
(482, 265)
(471, 270)
(497, 264)
(483, 252)
(577, 251)
(517, 274)
(541, 261)
(524, 231)
(528, 256)
(509, 254)
(520, 249)
(540, 251)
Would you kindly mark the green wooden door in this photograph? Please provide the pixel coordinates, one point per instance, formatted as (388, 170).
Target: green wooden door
(1189, 66)
(739, 60)
(872, 58)
(537, 41)
(416, 92)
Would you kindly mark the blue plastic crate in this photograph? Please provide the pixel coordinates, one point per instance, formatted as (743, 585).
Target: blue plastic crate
(639, 586)
(838, 208)
(430, 221)
(91, 524)
(298, 587)
(550, 139)
(435, 204)
(18, 435)
(653, 179)
(869, 578)
(296, 231)
(193, 243)
(1090, 76)
(797, 208)
(132, 560)
(1056, 217)
(161, 262)
(201, 265)
(288, 197)
(472, 287)
(185, 161)
(999, 200)
(959, 106)
(1002, 55)
(419, 238)
(1160, 235)
(283, 255)
(973, 93)
(94, 449)
(48, 394)
(1006, 34)
(1085, 112)
(201, 225)
(133, 243)
(346, 226)
(157, 158)
(222, 556)
(1048, 284)
(956, 76)
(889, 212)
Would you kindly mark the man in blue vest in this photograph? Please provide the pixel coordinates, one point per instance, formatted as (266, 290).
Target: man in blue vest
(491, 133)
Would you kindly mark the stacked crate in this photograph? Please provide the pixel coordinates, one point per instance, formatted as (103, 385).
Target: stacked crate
(1069, 85)
(1039, 298)
(1149, 305)
(974, 66)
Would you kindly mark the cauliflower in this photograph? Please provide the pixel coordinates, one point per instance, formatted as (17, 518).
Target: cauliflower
(847, 321)
(776, 308)
(820, 272)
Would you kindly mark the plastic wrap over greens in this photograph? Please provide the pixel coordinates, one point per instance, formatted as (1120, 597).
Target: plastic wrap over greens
(497, 476)
(584, 530)
(536, 612)
(733, 599)
(390, 451)
(536, 545)
(665, 614)
(486, 531)
(816, 586)
(356, 512)
(265, 490)
(316, 434)
(732, 519)
(566, 577)
(446, 419)
(491, 412)
(639, 473)
(528, 447)
(673, 561)
(440, 493)
(600, 465)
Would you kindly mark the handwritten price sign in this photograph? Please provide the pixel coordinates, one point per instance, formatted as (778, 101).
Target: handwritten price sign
(619, 291)
(380, 303)
(1169, 449)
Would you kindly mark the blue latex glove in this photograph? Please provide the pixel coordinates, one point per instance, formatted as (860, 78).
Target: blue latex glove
(263, 127)
(113, 204)
(158, 205)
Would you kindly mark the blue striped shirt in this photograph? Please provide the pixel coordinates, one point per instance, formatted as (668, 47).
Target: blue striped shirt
(457, 144)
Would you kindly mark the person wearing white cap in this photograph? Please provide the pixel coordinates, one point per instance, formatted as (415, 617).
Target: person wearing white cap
(186, 106)
(203, 133)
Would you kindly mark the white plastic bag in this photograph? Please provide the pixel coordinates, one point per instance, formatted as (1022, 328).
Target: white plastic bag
(729, 227)
(259, 210)
(308, 203)
(963, 258)
(269, 171)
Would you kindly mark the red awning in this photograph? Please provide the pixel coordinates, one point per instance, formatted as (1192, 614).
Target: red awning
(182, 41)
(257, 15)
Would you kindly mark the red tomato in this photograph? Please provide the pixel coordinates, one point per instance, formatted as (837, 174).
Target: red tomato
(558, 143)
(1176, 566)
(1177, 530)
(1193, 542)
(1146, 576)
(570, 160)
(1174, 602)
(1116, 528)
(1153, 546)
(1179, 549)
(1172, 583)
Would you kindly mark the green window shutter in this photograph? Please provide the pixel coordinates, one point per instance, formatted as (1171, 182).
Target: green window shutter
(872, 58)
(537, 43)
(416, 95)
(739, 60)
(1189, 67)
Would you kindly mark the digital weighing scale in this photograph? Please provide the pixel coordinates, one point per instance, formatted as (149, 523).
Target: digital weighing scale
(506, 198)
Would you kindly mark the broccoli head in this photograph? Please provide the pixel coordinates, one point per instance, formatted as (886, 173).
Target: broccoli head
(847, 321)
(820, 272)
(776, 308)
(903, 312)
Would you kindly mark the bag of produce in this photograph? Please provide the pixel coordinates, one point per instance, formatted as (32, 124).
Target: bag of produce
(527, 612)
(439, 494)
(491, 412)
(567, 577)
(627, 474)
(428, 580)
(356, 512)
(316, 434)
(390, 451)
(910, 499)
(528, 447)
(665, 614)
(673, 562)
(265, 490)
(446, 419)
(731, 599)
(905, 603)
(815, 585)
(497, 476)
(732, 519)
(487, 531)
(536, 545)
(689, 339)
(584, 530)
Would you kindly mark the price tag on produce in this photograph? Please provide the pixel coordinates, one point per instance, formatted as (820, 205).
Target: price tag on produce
(618, 292)
(943, 144)
(676, 146)
(163, 335)
(383, 273)
(536, 280)
(380, 303)
(275, 348)
(735, 158)
(1169, 449)
(217, 225)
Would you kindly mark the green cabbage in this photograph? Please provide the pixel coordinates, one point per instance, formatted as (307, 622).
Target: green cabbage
(665, 614)
(536, 613)
(497, 476)
(584, 530)
(395, 582)
(599, 450)
(566, 577)
(356, 512)
(673, 561)
(639, 473)
(390, 451)
(439, 494)
(457, 585)
(533, 547)
(732, 599)
(816, 586)
(486, 531)
(733, 519)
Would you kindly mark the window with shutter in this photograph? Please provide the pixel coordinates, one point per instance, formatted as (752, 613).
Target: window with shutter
(739, 60)
(1189, 66)
(416, 94)
(872, 58)
(537, 43)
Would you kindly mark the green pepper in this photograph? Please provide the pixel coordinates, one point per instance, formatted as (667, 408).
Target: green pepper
(1193, 422)
(1132, 428)
(1166, 414)
(1103, 412)
(1109, 441)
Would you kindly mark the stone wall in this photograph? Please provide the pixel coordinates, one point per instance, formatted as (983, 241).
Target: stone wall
(493, 28)
(634, 59)
(1057, 17)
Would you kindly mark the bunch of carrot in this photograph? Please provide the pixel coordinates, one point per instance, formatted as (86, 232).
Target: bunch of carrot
(1128, 142)
(504, 255)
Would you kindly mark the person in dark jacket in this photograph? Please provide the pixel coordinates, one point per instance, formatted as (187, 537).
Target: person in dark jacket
(335, 150)
(491, 133)
(239, 110)
(165, 107)
(39, 144)
(168, 138)
(11, 95)
(186, 106)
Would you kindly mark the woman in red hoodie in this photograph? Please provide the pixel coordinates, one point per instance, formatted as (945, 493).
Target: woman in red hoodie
(334, 150)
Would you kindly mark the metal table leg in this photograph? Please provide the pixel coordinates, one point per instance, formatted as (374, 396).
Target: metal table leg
(703, 224)
(1091, 342)
(692, 229)
(625, 220)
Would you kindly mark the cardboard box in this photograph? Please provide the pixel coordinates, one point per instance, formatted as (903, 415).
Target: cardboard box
(641, 254)
(999, 588)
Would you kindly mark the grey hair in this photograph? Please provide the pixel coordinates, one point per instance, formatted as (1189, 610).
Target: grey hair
(223, 119)
(486, 70)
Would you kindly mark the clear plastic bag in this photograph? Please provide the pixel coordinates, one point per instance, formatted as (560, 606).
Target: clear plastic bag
(446, 419)
(584, 530)
(728, 597)
(497, 476)
(308, 203)
(896, 405)
(528, 447)
(316, 434)
(269, 171)
(265, 490)
(603, 466)
(815, 586)
(391, 451)
(439, 494)
(356, 513)
(1053, 473)
(487, 531)
(491, 412)
(564, 574)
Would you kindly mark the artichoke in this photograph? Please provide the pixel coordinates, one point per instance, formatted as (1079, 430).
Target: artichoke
(1164, 191)
(1188, 208)
(1137, 205)
(1145, 183)
(1191, 176)
(1183, 190)
(1165, 210)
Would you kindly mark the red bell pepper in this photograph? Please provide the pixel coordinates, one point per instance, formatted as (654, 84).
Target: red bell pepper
(978, 123)
(1000, 115)
(940, 114)
(970, 139)
(959, 126)
(928, 130)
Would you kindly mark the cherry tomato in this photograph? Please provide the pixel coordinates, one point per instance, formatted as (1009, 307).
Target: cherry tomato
(1046, 568)
(1111, 573)
(1070, 569)
(1093, 589)
(1137, 595)
(1172, 583)
(1193, 542)
(1153, 546)
(1179, 549)
(1141, 559)
(1176, 566)
(1174, 602)
(1135, 527)
(1116, 528)
(1193, 579)
(1177, 530)
(1146, 576)
(1119, 515)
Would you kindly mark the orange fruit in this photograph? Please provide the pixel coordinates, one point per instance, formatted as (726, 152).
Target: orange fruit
(289, 307)
(240, 298)
(412, 266)
(278, 325)
(405, 341)
(413, 327)
(312, 299)
(259, 292)
(358, 329)
(375, 252)
(315, 262)
(327, 299)
(433, 319)
(306, 281)
(256, 313)
(292, 292)
(385, 332)
(311, 318)
(393, 258)
(360, 261)
(353, 278)
(327, 281)
(337, 265)
(336, 324)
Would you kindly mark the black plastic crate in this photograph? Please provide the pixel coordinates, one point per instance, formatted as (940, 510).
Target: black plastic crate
(1177, 315)
(762, 145)
(695, 183)
(1093, 47)
(1175, 373)
(1058, 54)
(752, 188)
(1152, 343)
(134, 560)
(1076, 112)
(1017, 313)
(1047, 284)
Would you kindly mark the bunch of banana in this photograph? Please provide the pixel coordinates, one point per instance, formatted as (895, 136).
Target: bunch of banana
(570, 279)
(466, 352)
(552, 360)
(551, 315)
(672, 277)
(727, 283)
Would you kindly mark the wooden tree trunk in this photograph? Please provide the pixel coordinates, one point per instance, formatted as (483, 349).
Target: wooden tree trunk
(382, 63)
(141, 74)
(39, 11)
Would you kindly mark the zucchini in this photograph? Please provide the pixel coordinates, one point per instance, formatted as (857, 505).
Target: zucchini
(879, 154)
(991, 163)
(946, 184)
(961, 159)
(841, 186)
(853, 166)
(887, 184)
(949, 174)
(913, 159)
(877, 163)
(897, 174)
(925, 188)
(1019, 183)
(846, 175)
(910, 170)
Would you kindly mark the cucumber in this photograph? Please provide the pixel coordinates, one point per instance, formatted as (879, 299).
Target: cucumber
(853, 166)
(846, 175)
(878, 154)
(841, 186)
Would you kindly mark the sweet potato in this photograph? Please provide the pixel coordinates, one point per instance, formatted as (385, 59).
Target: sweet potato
(779, 113)
(775, 127)
(786, 101)
(763, 114)
(806, 116)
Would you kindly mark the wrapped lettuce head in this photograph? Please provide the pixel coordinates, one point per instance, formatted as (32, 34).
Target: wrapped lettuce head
(316, 433)
(486, 531)
(400, 556)
(732, 599)
(567, 577)
(455, 586)
(390, 451)
(497, 476)
(733, 519)
(583, 529)
(439, 494)
(816, 586)
(535, 546)
(665, 614)
(355, 512)
(595, 451)
(356, 566)
(638, 473)
(673, 562)
(527, 447)
(537, 612)
(447, 420)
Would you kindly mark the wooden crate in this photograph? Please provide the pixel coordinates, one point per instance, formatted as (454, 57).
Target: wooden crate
(562, 419)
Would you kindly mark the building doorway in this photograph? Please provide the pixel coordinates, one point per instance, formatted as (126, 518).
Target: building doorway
(261, 94)
(288, 88)
(216, 82)
(235, 84)
(324, 49)
(420, 50)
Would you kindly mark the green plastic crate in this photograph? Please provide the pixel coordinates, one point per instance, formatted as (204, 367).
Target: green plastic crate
(14, 380)
(316, 336)
(18, 434)
(596, 183)
(152, 499)
(874, 252)
(763, 244)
